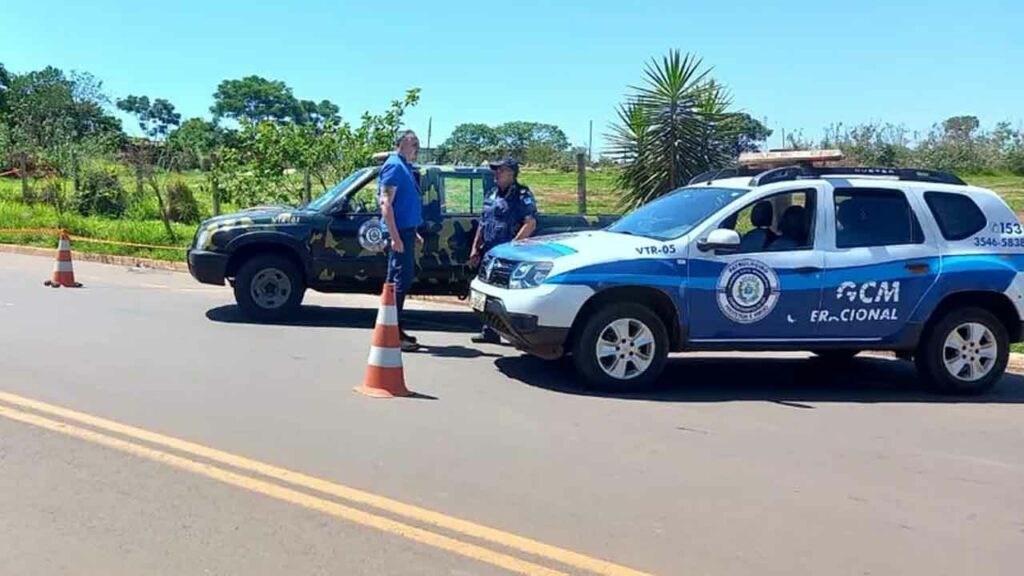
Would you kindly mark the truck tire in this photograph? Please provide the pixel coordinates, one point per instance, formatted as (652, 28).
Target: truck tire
(964, 352)
(622, 347)
(269, 287)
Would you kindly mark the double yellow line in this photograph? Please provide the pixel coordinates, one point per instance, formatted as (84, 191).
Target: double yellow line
(33, 412)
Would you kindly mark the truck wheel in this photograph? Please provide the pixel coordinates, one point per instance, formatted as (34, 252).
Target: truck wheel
(621, 347)
(269, 287)
(965, 352)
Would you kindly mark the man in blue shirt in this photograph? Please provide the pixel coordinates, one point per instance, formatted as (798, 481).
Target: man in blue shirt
(402, 210)
(509, 213)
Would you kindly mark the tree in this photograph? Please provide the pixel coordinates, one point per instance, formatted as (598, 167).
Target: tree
(745, 133)
(55, 119)
(5, 84)
(156, 120)
(192, 144)
(670, 128)
(515, 138)
(961, 126)
(470, 144)
(257, 99)
(253, 169)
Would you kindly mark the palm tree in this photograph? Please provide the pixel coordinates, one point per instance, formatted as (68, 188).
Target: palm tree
(669, 130)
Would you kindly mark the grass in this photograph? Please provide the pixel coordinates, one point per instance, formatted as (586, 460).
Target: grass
(555, 192)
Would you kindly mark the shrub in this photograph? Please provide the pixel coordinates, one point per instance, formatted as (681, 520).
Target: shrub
(181, 203)
(100, 194)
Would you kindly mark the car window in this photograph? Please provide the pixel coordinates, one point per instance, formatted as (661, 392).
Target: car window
(365, 200)
(463, 194)
(776, 223)
(957, 215)
(676, 213)
(868, 217)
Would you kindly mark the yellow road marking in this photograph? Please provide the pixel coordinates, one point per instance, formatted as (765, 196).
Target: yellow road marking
(464, 527)
(291, 496)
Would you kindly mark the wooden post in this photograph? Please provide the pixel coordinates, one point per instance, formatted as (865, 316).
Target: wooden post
(581, 183)
(215, 195)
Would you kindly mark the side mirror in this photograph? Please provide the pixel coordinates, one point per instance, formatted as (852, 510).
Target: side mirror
(721, 240)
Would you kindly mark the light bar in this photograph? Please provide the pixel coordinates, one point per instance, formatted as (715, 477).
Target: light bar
(788, 157)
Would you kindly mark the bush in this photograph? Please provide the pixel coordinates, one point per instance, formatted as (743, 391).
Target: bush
(1015, 160)
(181, 203)
(100, 194)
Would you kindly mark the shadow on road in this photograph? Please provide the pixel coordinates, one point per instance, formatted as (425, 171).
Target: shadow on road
(790, 382)
(330, 317)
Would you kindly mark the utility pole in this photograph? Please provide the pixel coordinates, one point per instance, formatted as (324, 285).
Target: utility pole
(430, 126)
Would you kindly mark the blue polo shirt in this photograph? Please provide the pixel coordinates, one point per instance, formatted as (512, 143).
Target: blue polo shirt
(407, 204)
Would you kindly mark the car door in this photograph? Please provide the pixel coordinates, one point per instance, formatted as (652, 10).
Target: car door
(351, 255)
(763, 292)
(879, 262)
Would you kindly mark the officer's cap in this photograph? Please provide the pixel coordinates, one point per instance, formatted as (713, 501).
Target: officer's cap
(507, 163)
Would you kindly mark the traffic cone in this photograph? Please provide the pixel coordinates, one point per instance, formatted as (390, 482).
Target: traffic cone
(384, 375)
(63, 270)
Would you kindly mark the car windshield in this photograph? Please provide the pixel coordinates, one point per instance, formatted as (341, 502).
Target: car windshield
(328, 198)
(677, 213)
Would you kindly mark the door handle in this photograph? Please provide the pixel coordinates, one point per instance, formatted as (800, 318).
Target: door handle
(807, 270)
(918, 267)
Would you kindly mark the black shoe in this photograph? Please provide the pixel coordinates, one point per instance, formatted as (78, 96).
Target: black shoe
(407, 338)
(409, 345)
(486, 337)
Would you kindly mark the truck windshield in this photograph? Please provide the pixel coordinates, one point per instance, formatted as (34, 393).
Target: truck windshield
(327, 198)
(676, 213)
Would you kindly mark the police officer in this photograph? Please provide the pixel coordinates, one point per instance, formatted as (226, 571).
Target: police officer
(402, 211)
(509, 213)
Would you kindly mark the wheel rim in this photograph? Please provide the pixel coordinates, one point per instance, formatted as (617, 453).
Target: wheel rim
(625, 348)
(970, 352)
(270, 288)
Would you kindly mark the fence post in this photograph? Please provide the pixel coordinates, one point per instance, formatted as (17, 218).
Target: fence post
(581, 183)
(215, 195)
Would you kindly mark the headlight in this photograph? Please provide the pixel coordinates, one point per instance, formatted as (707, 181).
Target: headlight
(529, 275)
(202, 238)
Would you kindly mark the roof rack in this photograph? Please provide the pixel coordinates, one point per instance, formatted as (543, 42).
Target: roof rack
(804, 172)
(732, 172)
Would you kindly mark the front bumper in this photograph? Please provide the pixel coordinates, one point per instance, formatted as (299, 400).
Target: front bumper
(208, 267)
(523, 331)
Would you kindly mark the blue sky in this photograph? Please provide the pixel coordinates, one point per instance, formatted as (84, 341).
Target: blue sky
(800, 65)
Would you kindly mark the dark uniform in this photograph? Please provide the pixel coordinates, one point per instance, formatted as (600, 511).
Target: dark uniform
(504, 214)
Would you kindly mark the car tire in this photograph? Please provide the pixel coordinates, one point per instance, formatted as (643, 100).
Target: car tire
(633, 332)
(984, 349)
(836, 356)
(269, 287)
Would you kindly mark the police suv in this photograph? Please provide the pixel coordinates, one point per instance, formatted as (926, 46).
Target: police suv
(802, 257)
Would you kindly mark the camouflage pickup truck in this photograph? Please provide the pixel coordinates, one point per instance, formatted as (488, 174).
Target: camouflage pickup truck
(271, 255)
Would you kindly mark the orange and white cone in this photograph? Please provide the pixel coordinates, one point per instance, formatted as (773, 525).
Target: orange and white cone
(384, 375)
(63, 270)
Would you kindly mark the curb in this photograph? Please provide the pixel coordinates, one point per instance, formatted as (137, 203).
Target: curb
(130, 261)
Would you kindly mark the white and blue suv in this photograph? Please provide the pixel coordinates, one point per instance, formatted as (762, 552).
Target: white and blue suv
(834, 261)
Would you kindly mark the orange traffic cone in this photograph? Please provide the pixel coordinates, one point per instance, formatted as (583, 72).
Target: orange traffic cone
(63, 271)
(384, 375)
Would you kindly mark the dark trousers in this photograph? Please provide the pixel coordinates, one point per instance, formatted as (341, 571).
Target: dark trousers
(402, 268)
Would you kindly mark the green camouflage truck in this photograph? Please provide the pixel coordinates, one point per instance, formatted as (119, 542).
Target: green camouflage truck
(272, 255)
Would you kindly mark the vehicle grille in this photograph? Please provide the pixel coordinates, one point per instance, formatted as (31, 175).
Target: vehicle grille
(496, 271)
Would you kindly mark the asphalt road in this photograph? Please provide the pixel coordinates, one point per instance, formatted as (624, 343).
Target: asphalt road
(772, 464)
